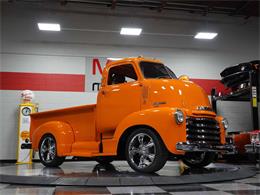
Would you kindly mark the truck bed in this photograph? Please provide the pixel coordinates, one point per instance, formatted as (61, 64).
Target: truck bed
(80, 118)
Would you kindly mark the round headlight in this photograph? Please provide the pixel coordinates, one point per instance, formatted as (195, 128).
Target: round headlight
(179, 116)
(225, 123)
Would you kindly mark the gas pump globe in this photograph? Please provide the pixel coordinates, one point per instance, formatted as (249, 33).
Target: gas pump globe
(27, 96)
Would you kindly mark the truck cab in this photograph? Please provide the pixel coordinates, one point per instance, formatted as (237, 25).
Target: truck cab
(144, 114)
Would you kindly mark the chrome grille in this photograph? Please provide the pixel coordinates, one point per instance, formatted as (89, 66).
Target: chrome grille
(202, 130)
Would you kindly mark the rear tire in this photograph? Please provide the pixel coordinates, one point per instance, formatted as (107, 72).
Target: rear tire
(48, 152)
(198, 159)
(145, 152)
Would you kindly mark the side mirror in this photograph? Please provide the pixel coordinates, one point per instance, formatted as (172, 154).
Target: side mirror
(184, 78)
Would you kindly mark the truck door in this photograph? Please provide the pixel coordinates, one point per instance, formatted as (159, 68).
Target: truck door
(120, 97)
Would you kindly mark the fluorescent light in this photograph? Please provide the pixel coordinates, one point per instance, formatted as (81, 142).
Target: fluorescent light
(205, 35)
(49, 26)
(131, 31)
(114, 59)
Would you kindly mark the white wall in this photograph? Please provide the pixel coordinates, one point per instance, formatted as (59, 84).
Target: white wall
(26, 49)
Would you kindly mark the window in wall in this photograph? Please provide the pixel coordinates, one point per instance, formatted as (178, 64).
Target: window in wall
(121, 74)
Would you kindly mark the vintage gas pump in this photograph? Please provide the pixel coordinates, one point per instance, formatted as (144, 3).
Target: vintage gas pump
(26, 107)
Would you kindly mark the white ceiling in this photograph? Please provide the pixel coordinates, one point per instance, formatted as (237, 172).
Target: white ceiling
(19, 24)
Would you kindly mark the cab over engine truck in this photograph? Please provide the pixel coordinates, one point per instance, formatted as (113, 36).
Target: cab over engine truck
(144, 114)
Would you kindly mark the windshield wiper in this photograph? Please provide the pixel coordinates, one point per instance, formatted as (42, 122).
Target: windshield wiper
(164, 77)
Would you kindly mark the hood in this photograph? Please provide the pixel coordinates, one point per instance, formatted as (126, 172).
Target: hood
(176, 93)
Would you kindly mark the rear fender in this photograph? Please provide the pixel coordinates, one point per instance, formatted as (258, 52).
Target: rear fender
(62, 132)
(159, 119)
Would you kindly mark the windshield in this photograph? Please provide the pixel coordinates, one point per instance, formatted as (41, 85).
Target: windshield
(152, 70)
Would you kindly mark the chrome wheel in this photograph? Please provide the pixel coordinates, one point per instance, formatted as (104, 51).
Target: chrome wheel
(145, 152)
(48, 149)
(142, 150)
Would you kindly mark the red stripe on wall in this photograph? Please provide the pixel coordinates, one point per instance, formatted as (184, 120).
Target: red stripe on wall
(71, 82)
(208, 84)
(42, 82)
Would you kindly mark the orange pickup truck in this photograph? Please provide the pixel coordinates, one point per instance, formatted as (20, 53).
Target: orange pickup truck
(144, 114)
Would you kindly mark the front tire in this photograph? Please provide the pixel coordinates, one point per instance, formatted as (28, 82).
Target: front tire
(198, 159)
(145, 152)
(48, 152)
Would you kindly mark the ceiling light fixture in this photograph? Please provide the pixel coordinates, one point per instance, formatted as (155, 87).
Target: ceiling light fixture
(205, 35)
(131, 31)
(114, 59)
(49, 27)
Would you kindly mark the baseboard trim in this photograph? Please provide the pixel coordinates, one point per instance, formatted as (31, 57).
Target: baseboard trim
(8, 161)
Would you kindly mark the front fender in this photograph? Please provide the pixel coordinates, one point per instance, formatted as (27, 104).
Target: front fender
(62, 132)
(162, 120)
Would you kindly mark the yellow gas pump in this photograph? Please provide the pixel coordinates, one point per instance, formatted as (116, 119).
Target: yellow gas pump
(26, 107)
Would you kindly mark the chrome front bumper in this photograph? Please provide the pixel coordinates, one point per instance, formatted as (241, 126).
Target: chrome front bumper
(252, 148)
(194, 147)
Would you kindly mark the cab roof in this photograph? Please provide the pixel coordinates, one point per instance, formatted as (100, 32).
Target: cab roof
(133, 59)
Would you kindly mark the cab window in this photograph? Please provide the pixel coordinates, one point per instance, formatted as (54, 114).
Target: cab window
(121, 74)
(152, 70)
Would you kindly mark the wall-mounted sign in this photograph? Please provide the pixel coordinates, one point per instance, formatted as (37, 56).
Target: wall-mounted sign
(94, 68)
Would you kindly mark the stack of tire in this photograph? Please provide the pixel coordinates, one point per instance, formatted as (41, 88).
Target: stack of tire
(237, 77)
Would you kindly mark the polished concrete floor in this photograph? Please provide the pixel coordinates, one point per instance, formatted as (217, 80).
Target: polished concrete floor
(241, 187)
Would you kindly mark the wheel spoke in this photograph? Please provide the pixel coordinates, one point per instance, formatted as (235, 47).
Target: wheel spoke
(48, 156)
(151, 157)
(52, 152)
(52, 148)
(141, 139)
(141, 162)
(133, 151)
(44, 149)
(52, 155)
(149, 145)
(48, 142)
